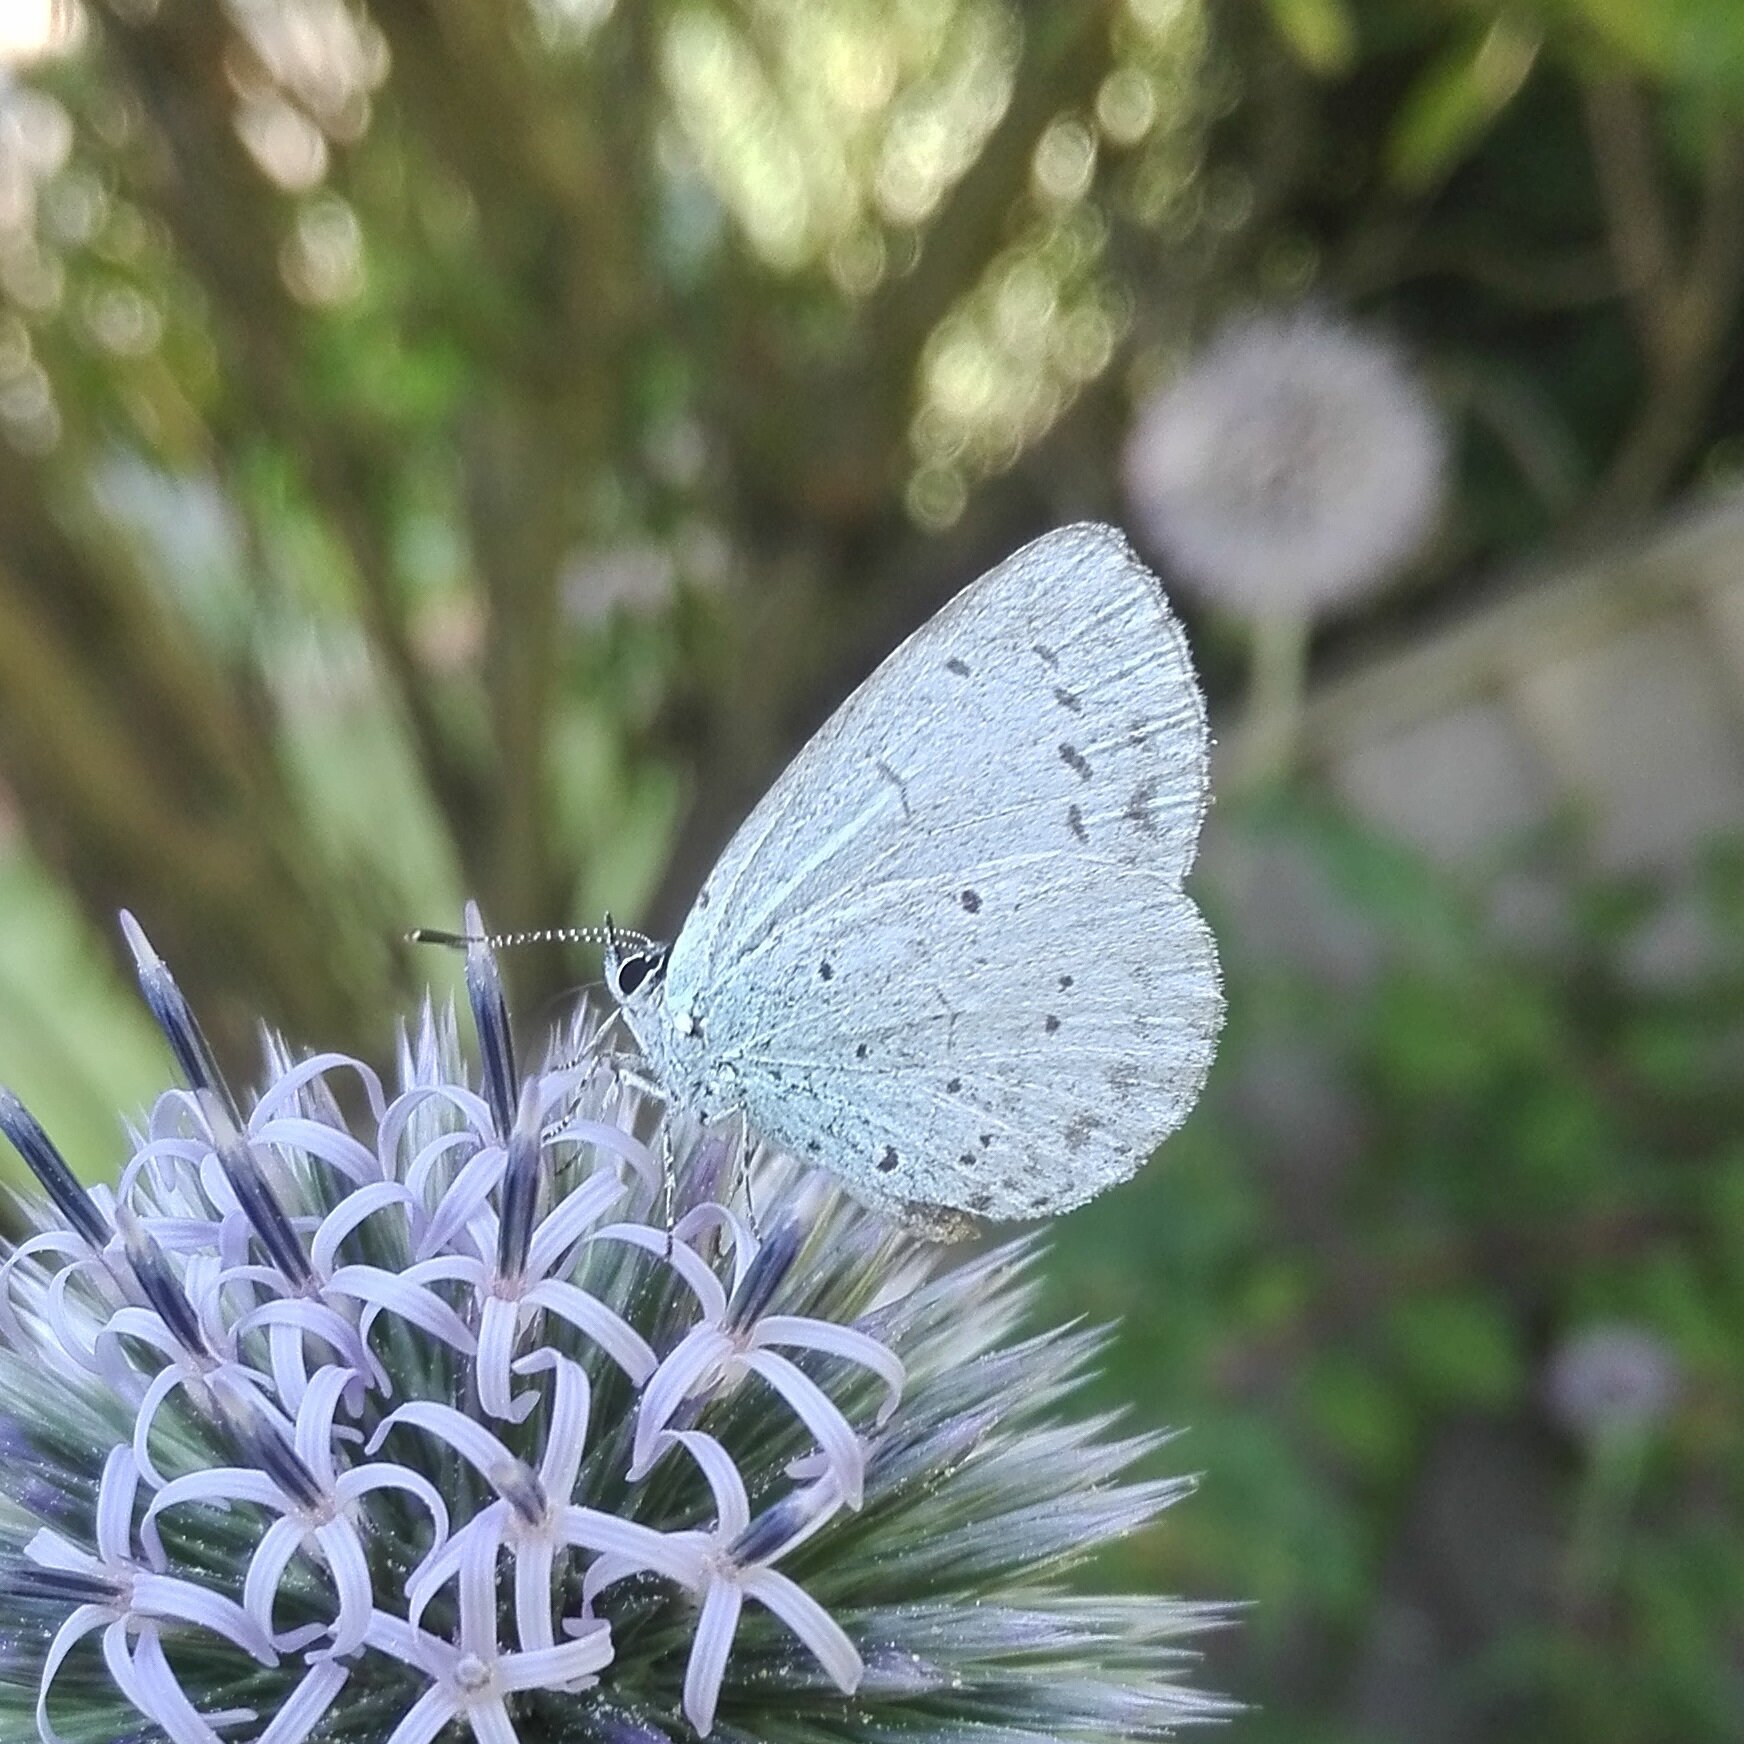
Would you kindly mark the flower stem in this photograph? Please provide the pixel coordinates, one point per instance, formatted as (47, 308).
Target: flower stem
(1269, 741)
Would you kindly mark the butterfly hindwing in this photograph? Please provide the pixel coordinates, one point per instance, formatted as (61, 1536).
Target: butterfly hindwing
(990, 834)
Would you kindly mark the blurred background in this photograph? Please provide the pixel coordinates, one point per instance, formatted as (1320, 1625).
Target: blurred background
(463, 446)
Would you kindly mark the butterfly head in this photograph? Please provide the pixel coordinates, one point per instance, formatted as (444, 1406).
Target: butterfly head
(635, 966)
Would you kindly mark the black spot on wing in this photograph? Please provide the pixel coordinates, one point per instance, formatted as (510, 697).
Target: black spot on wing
(1075, 823)
(971, 900)
(960, 667)
(1139, 812)
(1078, 1130)
(1075, 760)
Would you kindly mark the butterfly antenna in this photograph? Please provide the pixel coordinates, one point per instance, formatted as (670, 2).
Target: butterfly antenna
(539, 936)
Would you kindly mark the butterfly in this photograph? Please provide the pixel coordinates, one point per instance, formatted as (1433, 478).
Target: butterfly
(949, 956)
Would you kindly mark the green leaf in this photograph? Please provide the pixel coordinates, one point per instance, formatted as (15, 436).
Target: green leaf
(1321, 33)
(1460, 1349)
(1453, 104)
(1360, 1416)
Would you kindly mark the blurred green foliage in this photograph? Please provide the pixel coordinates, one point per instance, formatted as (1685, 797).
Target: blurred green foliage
(547, 410)
(1409, 1188)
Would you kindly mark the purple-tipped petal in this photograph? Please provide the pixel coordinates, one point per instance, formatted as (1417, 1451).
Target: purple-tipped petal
(307, 1704)
(342, 1549)
(490, 1017)
(574, 1665)
(814, 1407)
(820, 1632)
(797, 1331)
(472, 1441)
(499, 1322)
(266, 1568)
(402, 1294)
(364, 1479)
(732, 1505)
(175, 1017)
(347, 1216)
(716, 1625)
(50, 1168)
(711, 1298)
(523, 1180)
(569, 1221)
(701, 1351)
(533, 1566)
(426, 1717)
(115, 1496)
(86, 1620)
(566, 1433)
(607, 1328)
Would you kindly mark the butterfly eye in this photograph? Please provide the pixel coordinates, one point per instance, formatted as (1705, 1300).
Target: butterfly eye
(634, 972)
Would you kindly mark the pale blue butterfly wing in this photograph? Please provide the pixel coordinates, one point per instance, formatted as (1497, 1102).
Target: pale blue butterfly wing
(949, 956)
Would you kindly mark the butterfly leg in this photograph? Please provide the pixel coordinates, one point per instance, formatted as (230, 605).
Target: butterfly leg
(668, 1185)
(742, 1172)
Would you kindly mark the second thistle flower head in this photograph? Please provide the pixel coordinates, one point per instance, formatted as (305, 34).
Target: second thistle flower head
(1293, 466)
(377, 1416)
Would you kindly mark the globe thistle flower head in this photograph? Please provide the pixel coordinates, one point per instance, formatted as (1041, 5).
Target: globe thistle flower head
(1612, 1379)
(482, 1406)
(1293, 467)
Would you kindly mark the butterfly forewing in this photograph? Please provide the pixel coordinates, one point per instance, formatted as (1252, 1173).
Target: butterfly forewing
(948, 955)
